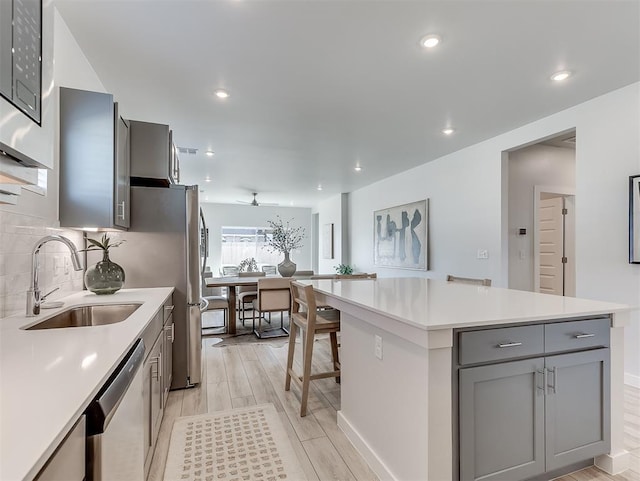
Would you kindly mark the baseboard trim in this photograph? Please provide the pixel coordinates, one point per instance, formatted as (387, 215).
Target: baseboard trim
(613, 464)
(632, 380)
(372, 459)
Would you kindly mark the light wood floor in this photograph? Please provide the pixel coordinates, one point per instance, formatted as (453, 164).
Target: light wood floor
(243, 372)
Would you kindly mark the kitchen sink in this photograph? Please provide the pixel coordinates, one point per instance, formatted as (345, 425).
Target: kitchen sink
(83, 316)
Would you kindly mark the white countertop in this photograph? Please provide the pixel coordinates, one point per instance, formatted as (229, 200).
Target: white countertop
(48, 377)
(430, 304)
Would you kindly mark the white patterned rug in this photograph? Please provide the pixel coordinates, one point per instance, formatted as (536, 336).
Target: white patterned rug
(237, 445)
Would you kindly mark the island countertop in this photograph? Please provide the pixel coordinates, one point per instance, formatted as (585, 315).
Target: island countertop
(48, 377)
(399, 341)
(430, 304)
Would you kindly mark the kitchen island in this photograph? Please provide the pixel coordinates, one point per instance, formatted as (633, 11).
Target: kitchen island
(399, 358)
(48, 377)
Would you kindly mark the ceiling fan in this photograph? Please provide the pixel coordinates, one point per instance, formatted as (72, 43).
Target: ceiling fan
(255, 202)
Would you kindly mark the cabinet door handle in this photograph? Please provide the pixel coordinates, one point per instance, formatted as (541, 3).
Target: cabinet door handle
(169, 330)
(543, 374)
(584, 336)
(173, 332)
(121, 204)
(158, 362)
(510, 344)
(553, 388)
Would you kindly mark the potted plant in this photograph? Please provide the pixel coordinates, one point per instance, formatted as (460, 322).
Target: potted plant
(249, 265)
(284, 239)
(105, 277)
(344, 269)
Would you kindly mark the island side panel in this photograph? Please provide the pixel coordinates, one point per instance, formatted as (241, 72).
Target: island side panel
(385, 401)
(440, 458)
(618, 459)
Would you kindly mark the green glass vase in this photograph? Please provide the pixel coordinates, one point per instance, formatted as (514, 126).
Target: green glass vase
(106, 277)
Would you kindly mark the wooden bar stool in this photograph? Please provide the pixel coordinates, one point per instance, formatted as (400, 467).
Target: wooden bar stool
(306, 317)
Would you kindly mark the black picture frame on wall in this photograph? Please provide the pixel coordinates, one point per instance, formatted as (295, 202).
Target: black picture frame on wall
(634, 219)
(21, 56)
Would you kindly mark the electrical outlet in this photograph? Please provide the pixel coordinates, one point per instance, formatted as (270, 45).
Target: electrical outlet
(483, 254)
(377, 350)
(66, 265)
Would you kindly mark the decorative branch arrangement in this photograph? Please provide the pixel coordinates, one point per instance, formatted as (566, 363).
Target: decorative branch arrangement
(102, 245)
(284, 237)
(248, 265)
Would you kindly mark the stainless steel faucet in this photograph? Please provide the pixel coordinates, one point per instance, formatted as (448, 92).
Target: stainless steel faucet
(33, 294)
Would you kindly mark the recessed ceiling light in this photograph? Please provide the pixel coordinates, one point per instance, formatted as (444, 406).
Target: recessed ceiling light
(560, 76)
(207, 179)
(357, 168)
(209, 153)
(221, 94)
(430, 41)
(319, 187)
(448, 131)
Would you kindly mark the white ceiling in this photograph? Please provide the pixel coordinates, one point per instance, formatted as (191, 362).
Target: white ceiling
(319, 85)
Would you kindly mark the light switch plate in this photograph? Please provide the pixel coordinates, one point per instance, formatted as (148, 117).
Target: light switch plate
(483, 254)
(378, 347)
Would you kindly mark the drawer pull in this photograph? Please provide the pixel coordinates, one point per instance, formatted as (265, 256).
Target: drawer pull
(584, 336)
(510, 344)
(168, 309)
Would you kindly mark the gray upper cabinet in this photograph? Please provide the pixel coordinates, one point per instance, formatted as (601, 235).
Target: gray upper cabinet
(154, 159)
(94, 161)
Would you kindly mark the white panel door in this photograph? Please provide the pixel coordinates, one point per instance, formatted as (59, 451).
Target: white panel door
(551, 239)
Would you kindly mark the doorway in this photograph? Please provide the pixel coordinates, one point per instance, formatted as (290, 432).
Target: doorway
(539, 257)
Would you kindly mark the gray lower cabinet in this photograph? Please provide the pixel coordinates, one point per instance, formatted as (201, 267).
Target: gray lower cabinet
(157, 369)
(153, 400)
(502, 421)
(167, 339)
(519, 418)
(576, 404)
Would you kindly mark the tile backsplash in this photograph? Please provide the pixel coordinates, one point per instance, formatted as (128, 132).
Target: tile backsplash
(18, 234)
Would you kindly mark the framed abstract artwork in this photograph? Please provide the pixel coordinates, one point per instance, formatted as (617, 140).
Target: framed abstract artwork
(400, 236)
(634, 219)
(327, 241)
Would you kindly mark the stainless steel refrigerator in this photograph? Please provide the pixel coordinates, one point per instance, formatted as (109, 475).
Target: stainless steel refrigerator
(162, 249)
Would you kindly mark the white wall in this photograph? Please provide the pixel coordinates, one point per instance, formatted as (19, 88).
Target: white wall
(229, 215)
(330, 211)
(528, 167)
(36, 215)
(466, 212)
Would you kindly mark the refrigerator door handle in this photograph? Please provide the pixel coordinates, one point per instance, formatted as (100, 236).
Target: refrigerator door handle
(193, 245)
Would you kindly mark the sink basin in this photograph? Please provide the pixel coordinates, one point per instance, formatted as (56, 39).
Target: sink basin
(83, 316)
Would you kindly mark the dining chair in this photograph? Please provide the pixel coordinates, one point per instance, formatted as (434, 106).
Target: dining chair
(246, 294)
(274, 295)
(216, 299)
(469, 280)
(306, 318)
(230, 271)
(269, 270)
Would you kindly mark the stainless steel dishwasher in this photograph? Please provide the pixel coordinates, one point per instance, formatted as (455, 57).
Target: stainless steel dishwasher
(115, 424)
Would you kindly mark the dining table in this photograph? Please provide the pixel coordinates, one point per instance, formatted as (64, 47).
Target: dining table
(231, 282)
